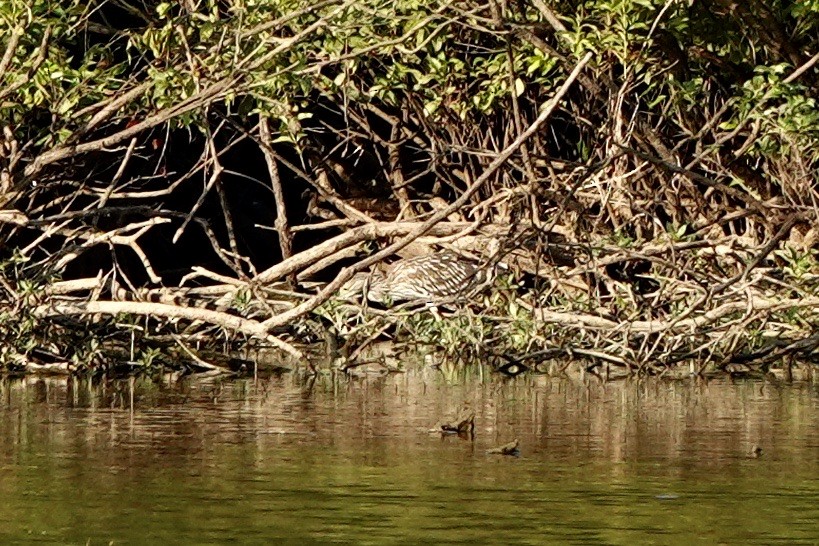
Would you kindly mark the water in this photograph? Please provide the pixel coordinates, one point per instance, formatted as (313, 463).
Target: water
(282, 460)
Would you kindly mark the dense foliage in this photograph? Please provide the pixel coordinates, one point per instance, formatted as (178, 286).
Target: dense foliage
(676, 178)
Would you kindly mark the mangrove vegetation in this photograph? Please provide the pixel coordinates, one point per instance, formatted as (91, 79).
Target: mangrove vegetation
(180, 180)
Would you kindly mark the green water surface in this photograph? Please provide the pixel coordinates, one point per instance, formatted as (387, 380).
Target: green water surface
(286, 460)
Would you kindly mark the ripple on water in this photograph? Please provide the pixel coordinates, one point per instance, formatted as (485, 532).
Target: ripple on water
(280, 460)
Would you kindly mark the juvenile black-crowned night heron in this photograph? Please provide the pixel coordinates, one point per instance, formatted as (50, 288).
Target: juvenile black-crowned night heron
(433, 277)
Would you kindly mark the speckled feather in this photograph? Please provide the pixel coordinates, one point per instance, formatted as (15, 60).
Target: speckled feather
(431, 277)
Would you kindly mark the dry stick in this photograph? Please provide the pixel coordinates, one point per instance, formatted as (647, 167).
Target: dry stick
(372, 337)
(406, 132)
(201, 98)
(749, 115)
(226, 214)
(35, 66)
(289, 42)
(150, 309)
(110, 106)
(199, 362)
(276, 23)
(364, 51)
(347, 274)
(749, 200)
(516, 114)
(329, 224)
(802, 69)
(200, 164)
(559, 27)
(49, 222)
(113, 184)
(324, 263)
(52, 368)
(771, 352)
(11, 48)
(783, 232)
(112, 237)
(61, 152)
(600, 355)
(549, 15)
(12, 155)
(652, 253)
(323, 189)
(367, 232)
(212, 181)
(656, 326)
(396, 174)
(76, 285)
(282, 229)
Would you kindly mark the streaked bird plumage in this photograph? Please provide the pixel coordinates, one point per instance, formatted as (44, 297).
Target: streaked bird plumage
(432, 277)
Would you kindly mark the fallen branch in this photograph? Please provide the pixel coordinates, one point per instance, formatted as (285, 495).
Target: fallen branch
(224, 320)
(576, 320)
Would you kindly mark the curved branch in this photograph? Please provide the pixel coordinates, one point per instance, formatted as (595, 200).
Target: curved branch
(230, 322)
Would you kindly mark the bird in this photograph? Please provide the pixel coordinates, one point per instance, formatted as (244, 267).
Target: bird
(464, 423)
(428, 278)
(506, 449)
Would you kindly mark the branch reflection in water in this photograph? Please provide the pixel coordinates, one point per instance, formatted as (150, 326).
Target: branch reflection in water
(332, 458)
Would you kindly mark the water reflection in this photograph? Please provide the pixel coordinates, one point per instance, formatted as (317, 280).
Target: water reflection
(331, 459)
